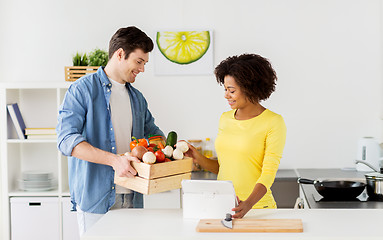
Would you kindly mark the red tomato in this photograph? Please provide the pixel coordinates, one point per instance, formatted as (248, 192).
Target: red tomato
(167, 160)
(152, 145)
(160, 156)
(150, 149)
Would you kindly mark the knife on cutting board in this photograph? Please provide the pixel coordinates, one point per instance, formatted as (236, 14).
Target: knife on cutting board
(228, 221)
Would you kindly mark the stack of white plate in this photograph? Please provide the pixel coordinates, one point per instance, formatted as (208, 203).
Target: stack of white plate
(37, 181)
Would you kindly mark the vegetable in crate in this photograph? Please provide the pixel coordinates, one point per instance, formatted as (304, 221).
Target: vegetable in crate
(152, 147)
(149, 158)
(183, 146)
(178, 154)
(171, 140)
(168, 151)
(160, 156)
(139, 152)
(138, 142)
(157, 140)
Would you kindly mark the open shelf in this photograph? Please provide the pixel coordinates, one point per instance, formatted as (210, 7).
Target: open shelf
(38, 103)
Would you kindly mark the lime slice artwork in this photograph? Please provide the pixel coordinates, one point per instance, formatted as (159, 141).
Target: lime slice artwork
(183, 47)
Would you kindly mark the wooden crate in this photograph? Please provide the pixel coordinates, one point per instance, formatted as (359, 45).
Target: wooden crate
(75, 72)
(159, 177)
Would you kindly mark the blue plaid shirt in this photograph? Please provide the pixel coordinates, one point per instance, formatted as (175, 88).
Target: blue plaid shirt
(85, 116)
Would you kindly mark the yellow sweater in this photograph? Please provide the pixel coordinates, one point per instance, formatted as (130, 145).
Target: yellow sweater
(249, 152)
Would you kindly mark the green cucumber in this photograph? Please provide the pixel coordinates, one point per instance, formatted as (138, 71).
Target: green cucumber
(171, 140)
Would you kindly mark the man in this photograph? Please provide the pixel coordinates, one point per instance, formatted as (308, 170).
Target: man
(99, 115)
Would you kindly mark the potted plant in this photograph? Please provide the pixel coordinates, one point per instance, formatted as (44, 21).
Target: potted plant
(84, 64)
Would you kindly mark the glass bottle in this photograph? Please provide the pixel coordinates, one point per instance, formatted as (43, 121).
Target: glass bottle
(208, 149)
(197, 143)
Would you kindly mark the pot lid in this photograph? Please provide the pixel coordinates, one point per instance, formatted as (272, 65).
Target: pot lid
(374, 175)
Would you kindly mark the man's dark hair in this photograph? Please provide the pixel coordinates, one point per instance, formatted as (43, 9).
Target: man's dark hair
(129, 39)
(253, 73)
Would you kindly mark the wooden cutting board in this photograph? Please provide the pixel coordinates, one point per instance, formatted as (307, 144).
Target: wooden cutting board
(251, 225)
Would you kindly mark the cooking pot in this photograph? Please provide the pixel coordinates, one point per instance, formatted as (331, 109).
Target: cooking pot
(374, 182)
(336, 190)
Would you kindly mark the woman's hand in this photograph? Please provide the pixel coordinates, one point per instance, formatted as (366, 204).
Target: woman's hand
(206, 163)
(193, 153)
(242, 208)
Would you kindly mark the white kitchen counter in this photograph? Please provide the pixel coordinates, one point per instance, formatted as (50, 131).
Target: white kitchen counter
(169, 224)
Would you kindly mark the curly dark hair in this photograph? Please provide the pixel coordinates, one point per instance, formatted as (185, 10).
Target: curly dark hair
(253, 73)
(129, 39)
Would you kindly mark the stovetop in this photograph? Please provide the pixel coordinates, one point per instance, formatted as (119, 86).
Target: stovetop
(312, 195)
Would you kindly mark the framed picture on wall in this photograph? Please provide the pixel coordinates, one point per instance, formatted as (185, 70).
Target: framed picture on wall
(183, 52)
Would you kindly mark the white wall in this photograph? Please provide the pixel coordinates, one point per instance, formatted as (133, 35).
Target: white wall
(327, 55)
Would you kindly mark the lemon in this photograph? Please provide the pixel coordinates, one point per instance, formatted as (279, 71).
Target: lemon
(183, 47)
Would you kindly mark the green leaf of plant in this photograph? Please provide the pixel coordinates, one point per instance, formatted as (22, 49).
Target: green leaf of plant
(98, 57)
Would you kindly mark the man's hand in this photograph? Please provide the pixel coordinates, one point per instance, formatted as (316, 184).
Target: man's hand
(120, 164)
(123, 167)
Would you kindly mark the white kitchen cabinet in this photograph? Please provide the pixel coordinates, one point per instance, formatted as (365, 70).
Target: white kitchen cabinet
(70, 226)
(39, 103)
(35, 218)
(168, 199)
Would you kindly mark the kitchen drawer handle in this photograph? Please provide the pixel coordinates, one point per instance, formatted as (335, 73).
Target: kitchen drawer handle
(35, 204)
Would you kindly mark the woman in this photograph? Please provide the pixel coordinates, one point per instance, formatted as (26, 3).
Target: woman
(250, 137)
